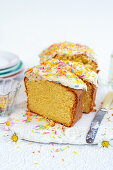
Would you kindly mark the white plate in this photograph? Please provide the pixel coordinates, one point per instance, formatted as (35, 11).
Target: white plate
(11, 69)
(16, 75)
(12, 73)
(8, 59)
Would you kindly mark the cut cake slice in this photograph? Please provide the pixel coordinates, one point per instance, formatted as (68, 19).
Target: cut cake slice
(88, 76)
(55, 93)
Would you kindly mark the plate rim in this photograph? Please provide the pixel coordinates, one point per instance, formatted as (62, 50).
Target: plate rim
(15, 75)
(14, 63)
(11, 68)
(12, 73)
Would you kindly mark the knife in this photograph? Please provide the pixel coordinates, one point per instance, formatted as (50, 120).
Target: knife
(98, 118)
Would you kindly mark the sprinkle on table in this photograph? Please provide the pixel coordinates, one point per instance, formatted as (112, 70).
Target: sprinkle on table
(75, 152)
(46, 129)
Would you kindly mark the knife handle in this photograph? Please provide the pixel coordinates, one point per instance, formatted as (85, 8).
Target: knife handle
(107, 101)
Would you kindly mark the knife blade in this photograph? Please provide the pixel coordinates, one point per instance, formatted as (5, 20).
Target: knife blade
(98, 118)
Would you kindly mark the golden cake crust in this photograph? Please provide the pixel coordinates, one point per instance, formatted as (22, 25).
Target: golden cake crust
(91, 105)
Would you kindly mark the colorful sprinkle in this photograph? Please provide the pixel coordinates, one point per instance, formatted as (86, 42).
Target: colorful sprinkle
(66, 72)
(67, 48)
(75, 152)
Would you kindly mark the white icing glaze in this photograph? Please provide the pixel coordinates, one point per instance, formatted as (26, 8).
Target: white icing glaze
(70, 80)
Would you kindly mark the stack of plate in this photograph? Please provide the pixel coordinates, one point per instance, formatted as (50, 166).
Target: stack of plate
(10, 65)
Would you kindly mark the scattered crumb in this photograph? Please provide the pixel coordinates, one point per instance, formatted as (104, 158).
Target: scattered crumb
(94, 110)
(63, 159)
(63, 128)
(52, 123)
(39, 151)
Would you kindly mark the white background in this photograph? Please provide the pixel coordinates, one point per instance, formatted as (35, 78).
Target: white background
(29, 26)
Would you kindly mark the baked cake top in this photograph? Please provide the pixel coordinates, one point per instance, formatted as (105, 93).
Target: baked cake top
(65, 72)
(69, 49)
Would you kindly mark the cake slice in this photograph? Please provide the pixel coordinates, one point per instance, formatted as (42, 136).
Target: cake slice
(55, 93)
(88, 76)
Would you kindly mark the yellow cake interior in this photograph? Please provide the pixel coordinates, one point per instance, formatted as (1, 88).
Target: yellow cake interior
(51, 100)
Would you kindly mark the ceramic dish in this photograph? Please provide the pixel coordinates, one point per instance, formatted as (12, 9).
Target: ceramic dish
(15, 75)
(12, 71)
(8, 59)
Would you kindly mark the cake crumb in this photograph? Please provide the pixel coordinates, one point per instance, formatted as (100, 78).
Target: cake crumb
(52, 123)
(94, 110)
(63, 159)
(63, 128)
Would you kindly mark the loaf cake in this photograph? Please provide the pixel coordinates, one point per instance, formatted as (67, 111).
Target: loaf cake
(80, 54)
(55, 93)
(73, 52)
(56, 88)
